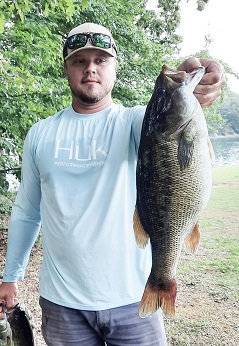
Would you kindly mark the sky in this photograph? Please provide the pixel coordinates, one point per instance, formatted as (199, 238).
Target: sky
(220, 20)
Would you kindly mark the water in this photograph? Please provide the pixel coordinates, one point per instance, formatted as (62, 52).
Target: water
(226, 151)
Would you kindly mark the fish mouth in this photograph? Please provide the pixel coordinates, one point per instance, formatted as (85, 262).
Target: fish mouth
(194, 77)
(175, 75)
(190, 79)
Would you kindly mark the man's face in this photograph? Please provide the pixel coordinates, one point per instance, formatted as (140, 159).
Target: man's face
(91, 75)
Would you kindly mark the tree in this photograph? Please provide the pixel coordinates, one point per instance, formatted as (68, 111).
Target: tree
(32, 84)
(15, 11)
(229, 111)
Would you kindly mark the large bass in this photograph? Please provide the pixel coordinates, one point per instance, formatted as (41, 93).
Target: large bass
(173, 182)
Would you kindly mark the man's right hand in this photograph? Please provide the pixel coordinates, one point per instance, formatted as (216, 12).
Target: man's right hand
(8, 294)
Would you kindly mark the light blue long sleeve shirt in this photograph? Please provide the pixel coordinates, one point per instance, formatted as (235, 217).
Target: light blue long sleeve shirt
(79, 184)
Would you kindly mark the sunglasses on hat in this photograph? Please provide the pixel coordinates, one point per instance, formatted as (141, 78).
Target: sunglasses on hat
(97, 40)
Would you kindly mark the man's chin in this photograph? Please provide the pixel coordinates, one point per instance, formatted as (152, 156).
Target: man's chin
(89, 101)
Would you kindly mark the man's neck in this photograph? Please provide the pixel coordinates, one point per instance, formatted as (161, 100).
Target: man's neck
(84, 108)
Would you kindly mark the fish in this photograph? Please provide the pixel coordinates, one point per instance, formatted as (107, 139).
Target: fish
(5, 331)
(173, 180)
(16, 326)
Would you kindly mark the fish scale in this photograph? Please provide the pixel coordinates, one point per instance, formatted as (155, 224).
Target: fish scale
(173, 182)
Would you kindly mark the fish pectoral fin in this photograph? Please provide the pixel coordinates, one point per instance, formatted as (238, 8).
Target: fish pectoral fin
(210, 148)
(141, 236)
(185, 152)
(191, 241)
(155, 297)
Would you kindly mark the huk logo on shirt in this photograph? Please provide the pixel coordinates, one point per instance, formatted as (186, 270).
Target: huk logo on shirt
(73, 151)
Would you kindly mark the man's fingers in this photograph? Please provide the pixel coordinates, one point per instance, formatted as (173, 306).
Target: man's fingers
(207, 99)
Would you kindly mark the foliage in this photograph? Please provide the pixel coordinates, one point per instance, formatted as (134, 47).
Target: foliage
(201, 4)
(32, 80)
(6, 202)
(229, 111)
(16, 10)
(222, 115)
(29, 90)
(32, 83)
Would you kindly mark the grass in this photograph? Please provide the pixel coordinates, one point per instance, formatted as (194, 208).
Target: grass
(207, 311)
(207, 306)
(226, 175)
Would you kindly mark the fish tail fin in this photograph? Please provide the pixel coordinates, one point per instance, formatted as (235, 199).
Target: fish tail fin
(192, 240)
(158, 297)
(141, 236)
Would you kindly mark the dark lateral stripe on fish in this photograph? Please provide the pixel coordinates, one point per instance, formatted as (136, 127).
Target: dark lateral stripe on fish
(146, 186)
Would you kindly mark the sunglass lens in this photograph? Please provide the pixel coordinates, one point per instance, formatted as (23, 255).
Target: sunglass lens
(77, 41)
(101, 41)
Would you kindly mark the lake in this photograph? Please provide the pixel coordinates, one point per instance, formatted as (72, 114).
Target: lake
(226, 151)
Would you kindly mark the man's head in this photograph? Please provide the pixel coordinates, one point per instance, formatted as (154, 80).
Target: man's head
(89, 36)
(90, 66)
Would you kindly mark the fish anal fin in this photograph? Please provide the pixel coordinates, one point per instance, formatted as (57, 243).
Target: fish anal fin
(141, 236)
(192, 240)
(158, 297)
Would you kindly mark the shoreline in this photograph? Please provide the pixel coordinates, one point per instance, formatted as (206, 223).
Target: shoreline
(226, 166)
(235, 135)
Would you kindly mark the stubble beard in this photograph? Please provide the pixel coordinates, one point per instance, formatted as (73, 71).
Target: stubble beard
(91, 97)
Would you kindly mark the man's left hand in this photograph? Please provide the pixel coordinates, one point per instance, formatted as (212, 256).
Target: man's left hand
(210, 86)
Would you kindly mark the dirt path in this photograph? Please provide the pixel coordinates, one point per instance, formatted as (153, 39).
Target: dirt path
(202, 318)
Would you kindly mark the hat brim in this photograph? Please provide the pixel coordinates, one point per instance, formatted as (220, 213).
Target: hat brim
(108, 51)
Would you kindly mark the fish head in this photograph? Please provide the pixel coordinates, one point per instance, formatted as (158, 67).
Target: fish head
(173, 103)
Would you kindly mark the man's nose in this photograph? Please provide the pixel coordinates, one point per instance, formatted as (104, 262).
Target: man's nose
(90, 67)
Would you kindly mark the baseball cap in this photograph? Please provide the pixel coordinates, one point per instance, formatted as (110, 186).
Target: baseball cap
(89, 36)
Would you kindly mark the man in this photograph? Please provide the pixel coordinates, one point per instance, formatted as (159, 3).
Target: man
(78, 181)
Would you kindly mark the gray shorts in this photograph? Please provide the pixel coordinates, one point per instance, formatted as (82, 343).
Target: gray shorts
(62, 326)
